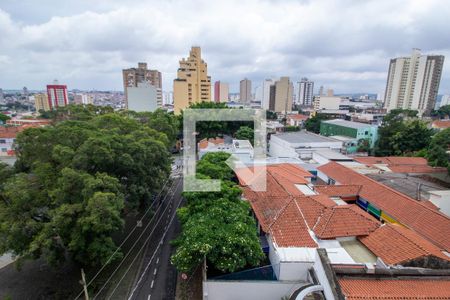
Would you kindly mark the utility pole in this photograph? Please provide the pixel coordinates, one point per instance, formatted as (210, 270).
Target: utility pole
(83, 282)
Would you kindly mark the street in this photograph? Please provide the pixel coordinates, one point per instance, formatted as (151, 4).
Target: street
(157, 277)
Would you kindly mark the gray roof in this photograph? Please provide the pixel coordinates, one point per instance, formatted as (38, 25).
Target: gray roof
(349, 124)
(303, 137)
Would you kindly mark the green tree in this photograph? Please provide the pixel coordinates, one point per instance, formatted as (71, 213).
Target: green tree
(313, 124)
(245, 133)
(442, 112)
(216, 226)
(73, 181)
(437, 153)
(390, 141)
(4, 118)
(414, 137)
(224, 235)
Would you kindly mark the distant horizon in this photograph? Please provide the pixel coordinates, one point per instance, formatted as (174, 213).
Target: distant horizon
(341, 45)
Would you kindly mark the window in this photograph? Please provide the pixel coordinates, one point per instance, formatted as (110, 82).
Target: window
(2, 141)
(366, 132)
(4, 150)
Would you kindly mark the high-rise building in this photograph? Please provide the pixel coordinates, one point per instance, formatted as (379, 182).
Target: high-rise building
(281, 95)
(192, 84)
(445, 100)
(245, 91)
(321, 91)
(57, 95)
(2, 97)
(144, 97)
(221, 90)
(134, 76)
(305, 92)
(25, 92)
(330, 92)
(413, 82)
(265, 93)
(41, 102)
(83, 99)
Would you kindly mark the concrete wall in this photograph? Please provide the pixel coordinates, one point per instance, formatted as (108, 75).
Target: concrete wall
(142, 98)
(248, 290)
(323, 279)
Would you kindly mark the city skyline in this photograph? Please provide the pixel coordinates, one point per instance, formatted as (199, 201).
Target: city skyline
(321, 40)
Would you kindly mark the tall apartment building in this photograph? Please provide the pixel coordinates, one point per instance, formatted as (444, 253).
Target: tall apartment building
(41, 102)
(192, 84)
(1, 95)
(281, 95)
(134, 76)
(305, 92)
(221, 90)
(265, 93)
(445, 100)
(413, 82)
(245, 91)
(57, 95)
(83, 99)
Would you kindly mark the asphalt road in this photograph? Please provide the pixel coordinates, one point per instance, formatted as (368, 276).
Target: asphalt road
(157, 277)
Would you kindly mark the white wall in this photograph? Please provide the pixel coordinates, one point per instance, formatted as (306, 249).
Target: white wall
(322, 277)
(142, 98)
(442, 200)
(281, 148)
(248, 290)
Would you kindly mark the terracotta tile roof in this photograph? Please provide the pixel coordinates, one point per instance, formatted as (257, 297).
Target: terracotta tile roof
(371, 160)
(395, 244)
(408, 289)
(415, 169)
(313, 207)
(298, 117)
(285, 175)
(441, 124)
(338, 190)
(344, 221)
(429, 223)
(430, 205)
(10, 132)
(290, 230)
(400, 164)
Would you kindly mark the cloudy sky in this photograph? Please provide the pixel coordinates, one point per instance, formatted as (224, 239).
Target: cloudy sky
(345, 45)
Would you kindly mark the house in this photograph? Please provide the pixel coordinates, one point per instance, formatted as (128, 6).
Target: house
(389, 205)
(296, 120)
(396, 164)
(7, 139)
(300, 144)
(355, 130)
(240, 148)
(440, 124)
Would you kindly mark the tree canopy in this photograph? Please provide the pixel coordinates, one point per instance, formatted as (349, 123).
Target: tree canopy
(216, 226)
(73, 181)
(402, 134)
(313, 124)
(245, 133)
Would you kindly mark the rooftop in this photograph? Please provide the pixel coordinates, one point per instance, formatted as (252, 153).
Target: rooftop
(395, 244)
(344, 221)
(441, 124)
(350, 124)
(427, 222)
(338, 190)
(394, 288)
(303, 137)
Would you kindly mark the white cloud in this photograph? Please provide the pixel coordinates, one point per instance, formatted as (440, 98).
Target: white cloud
(345, 45)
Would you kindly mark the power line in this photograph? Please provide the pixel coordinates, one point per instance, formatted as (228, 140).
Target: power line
(128, 236)
(151, 259)
(134, 245)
